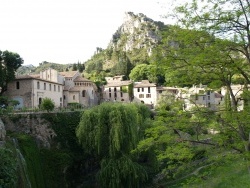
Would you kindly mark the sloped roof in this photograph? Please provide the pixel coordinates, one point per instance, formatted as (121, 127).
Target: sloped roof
(66, 88)
(144, 83)
(77, 89)
(68, 74)
(118, 83)
(81, 79)
(217, 95)
(34, 76)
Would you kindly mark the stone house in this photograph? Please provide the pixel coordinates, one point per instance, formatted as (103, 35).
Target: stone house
(79, 90)
(117, 89)
(61, 87)
(203, 97)
(29, 90)
(145, 92)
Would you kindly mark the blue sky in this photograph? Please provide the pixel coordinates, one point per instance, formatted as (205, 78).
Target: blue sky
(66, 31)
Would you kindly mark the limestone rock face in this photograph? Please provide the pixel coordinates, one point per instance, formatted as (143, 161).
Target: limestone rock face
(35, 126)
(137, 31)
(2, 131)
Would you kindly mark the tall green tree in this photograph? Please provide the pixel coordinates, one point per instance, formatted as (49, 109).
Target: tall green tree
(9, 63)
(143, 72)
(228, 19)
(111, 131)
(228, 22)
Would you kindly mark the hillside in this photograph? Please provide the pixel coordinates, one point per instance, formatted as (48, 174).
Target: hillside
(133, 43)
(31, 69)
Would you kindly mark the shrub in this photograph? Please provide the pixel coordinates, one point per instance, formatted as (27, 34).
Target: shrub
(47, 104)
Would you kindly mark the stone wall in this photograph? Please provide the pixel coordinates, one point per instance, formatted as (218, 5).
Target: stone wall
(24, 91)
(32, 124)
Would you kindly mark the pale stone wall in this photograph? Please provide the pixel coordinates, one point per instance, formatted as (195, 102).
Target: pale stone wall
(52, 75)
(24, 92)
(112, 93)
(53, 91)
(143, 94)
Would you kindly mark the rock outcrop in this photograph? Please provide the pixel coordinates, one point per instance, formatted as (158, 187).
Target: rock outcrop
(137, 31)
(33, 125)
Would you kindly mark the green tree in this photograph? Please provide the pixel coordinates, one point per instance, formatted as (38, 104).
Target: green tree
(212, 16)
(111, 131)
(47, 104)
(227, 55)
(9, 63)
(143, 72)
(74, 68)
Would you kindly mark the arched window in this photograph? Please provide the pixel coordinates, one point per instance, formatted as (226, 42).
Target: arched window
(74, 97)
(83, 93)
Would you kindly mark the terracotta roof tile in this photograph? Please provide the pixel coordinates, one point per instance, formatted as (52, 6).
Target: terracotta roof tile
(144, 83)
(81, 79)
(68, 74)
(118, 83)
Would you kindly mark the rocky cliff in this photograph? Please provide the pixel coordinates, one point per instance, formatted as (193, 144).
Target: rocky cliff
(131, 44)
(137, 31)
(33, 125)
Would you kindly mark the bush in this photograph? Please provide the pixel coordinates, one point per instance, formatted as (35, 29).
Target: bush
(47, 104)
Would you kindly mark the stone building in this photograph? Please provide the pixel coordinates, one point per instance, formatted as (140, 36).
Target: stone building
(62, 87)
(29, 90)
(145, 92)
(79, 90)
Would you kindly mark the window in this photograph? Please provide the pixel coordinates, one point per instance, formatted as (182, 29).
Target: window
(17, 85)
(109, 95)
(54, 87)
(109, 89)
(83, 93)
(74, 97)
(208, 97)
(142, 89)
(44, 86)
(60, 99)
(59, 88)
(64, 97)
(121, 94)
(38, 85)
(138, 89)
(141, 96)
(115, 89)
(50, 87)
(115, 95)
(148, 89)
(148, 95)
(204, 98)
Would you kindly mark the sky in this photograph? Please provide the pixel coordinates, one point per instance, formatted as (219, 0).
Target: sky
(66, 31)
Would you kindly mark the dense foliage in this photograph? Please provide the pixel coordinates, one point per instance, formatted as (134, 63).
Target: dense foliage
(8, 168)
(111, 131)
(9, 63)
(47, 104)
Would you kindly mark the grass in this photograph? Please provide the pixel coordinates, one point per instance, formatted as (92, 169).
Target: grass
(228, 173)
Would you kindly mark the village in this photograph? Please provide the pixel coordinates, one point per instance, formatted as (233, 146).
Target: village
(67, 88)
